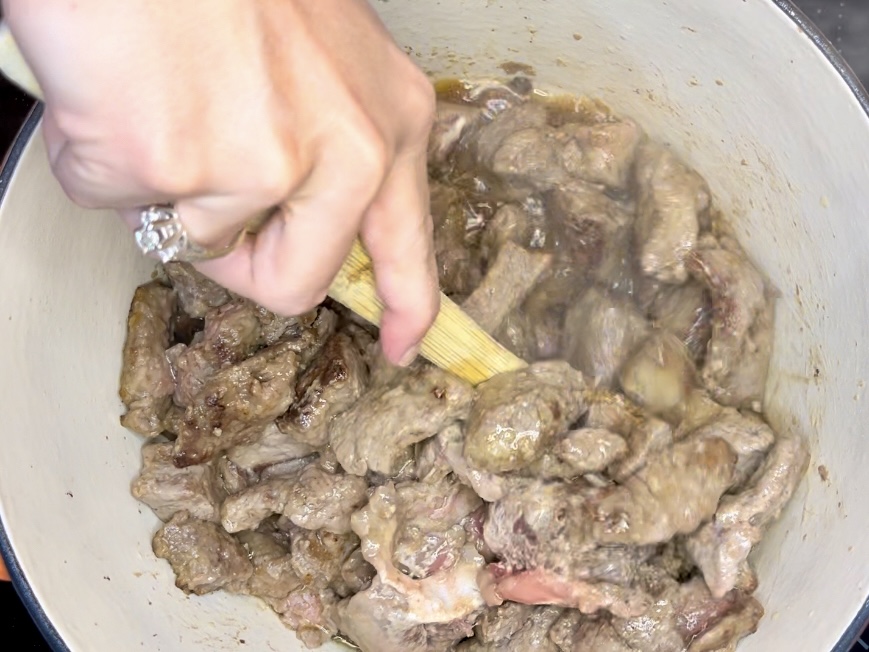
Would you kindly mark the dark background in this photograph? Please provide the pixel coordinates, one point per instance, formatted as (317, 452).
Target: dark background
(846, 24)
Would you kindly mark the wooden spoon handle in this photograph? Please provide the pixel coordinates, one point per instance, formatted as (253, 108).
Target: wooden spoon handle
(455, 342)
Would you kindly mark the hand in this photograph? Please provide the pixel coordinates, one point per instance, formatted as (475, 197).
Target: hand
(229, 107)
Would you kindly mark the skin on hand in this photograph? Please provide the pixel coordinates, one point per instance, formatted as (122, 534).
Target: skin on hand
(4, 574)
(230, 107)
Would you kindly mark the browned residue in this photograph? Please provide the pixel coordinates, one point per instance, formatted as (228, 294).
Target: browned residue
(515, 68)
(824, 473)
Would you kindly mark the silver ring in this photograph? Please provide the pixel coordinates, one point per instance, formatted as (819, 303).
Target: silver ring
(162, 235)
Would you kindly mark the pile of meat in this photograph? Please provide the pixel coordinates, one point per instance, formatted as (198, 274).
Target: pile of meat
(606, 497)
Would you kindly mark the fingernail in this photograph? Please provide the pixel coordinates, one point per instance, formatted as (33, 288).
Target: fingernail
(409, 356)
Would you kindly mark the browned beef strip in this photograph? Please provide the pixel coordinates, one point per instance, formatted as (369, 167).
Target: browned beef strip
(332, 383)
(203, 556)
(146, 380)
(167, 489)
(197, 293)
(518, 414)
(237, 401)
(376, 432)
(268, 448)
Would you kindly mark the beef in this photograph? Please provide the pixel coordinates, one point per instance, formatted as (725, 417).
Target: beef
(146, 380)
(273, 575)
(232, 478)
(612, 411)
(488, 486)
(458, 266)
(517, 630)
(231, 334)
(246, 509)
(510, 223)
(310, 612)
(197, 294)
(564, 630)
(268, 448)
(725, 635)
(306, 337)
(323, 500)
(237, 401)
(721, 547)
(167, 489)
(670, 198)
(203, 557)
(518, 414)
(647, 437)
(430, 535)
(378, 430)
(659, 374)
(506, 284)
(533, 332)
(273, 327)
(738, 354)
(590, 449)
(332, 383)
(600, 153)
(686, 311)
(601, 332)
(318, 556)
(451, 121)
(396, 613)
(356, 573)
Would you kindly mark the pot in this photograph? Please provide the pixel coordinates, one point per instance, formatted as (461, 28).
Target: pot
(748, 92)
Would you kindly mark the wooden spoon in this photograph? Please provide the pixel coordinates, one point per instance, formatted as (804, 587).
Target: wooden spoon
(454, 343)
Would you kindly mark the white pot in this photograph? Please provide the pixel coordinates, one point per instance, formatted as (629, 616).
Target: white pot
(746, 91)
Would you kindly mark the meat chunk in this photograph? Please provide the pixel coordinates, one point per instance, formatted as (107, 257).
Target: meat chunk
(235, 401)
(146, 380)
(517, 415)
(323, 500)
(310, 612)
(430, 535)
(600, 153)
(273, 575)
(458, 267)
(203, 557)
(377, 431)
(488, 486)
(167, 489)
(505, 286)
(738, 354)
(197, 293)
(401, 614)
(659, 374)
(246, 509)
(721, 547)
(306, 337)
(532, 633)
(356, 573)
(601, 332)
(331, 384)
(266, 449)
(510, 223)
(318, 556)
(685, 311)
(590, 449)
(670, 198)
(231, 334)
(726, 634)
(647, 437)
(451, 121)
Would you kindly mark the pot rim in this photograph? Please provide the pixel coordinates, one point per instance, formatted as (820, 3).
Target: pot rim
(10, 163)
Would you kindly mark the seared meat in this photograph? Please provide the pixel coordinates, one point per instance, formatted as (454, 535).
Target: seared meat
(458, 266)
(273, 575)
(600, 153)
(267, 448)
(450, 123)
(685, 311)
(517, 415)
(318, 556)
(430, 534)
(530, 633)
(511, 223)
(231, 334)
(505, 286)
(323, 500)
(737, 358)
(331, 384)
(488, 486)
(670, 198)
(203, 557)
(590, 449)
(236, 400)
(647, 436)
(307, 337)
(167, 489)
(197, 293)
(146, 380)
(601, 332)
(725, 635)
(248, 508)
(310, 612)
(721, 547)
(388, 419)
(356, 573)
(393, 614)
(659, 374)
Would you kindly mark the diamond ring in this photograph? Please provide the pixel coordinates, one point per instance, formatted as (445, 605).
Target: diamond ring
(161, 235)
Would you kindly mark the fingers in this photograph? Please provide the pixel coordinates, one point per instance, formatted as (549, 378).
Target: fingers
(397, 231)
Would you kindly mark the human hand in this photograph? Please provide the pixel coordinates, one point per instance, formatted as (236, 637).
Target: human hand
(229, 107)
